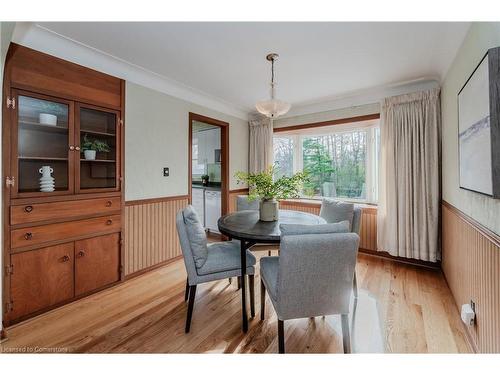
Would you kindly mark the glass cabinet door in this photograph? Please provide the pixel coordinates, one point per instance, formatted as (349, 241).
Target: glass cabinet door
(99, 149)
(41, 145)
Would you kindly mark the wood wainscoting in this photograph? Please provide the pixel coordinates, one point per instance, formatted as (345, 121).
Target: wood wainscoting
(151, 238)
(233, 194)
(150, 235)
(471, 264)
(368, 231)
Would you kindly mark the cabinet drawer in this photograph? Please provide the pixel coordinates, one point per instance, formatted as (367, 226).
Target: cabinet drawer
(31, 213)
(54, 232)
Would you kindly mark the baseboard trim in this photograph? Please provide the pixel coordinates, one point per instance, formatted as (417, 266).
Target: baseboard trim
(151, 268)
(472, 346)
(3, 336)
(413, 262)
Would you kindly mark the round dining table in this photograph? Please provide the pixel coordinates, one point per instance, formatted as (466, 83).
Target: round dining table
(246, 227)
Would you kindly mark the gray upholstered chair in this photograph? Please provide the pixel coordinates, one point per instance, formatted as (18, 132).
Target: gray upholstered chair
(208, 261)
(242, 203)
(311, 277)
(334, 211)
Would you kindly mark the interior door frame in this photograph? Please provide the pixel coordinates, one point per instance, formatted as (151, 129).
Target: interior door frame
(224, 126)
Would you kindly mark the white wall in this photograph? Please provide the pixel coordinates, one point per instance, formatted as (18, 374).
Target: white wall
(485, 210)
(156, 136)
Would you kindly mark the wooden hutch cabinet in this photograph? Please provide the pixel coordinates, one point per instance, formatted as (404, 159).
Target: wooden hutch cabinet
(63, 189)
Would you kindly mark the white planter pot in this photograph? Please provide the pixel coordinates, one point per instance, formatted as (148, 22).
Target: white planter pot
(47, 119)
(89, 154)
(269, 210)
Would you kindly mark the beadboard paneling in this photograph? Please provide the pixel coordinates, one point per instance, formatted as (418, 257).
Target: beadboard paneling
(471, 265)
(368, 232)
(232, 198)
(150, 233)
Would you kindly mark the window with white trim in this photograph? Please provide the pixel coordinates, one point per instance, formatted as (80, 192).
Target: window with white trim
(342, 160)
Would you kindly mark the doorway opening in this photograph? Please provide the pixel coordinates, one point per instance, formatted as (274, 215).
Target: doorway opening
(208, 176)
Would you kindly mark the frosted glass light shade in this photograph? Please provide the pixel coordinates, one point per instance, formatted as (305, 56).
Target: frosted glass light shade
(273, 107)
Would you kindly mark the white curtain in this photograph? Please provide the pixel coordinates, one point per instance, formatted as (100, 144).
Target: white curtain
(261, 145)
(409, 186)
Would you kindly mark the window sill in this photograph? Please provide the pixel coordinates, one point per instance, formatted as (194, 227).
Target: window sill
(317, 202)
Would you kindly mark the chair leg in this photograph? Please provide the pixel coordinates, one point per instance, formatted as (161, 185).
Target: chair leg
(192, 294)
(186, 294)
(251, 282)
(346, 337)
(262, 300)
(355, 285)
(239, 282)
(269, 253)
(281, 337)
(230, 280)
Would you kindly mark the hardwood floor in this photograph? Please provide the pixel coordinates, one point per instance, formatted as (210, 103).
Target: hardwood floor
(401, 308)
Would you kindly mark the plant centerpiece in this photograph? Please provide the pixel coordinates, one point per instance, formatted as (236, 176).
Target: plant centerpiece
(269, 190)
(204, 179)
(91, 146)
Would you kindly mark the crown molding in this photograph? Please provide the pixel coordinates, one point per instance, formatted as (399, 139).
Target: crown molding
(42, 39)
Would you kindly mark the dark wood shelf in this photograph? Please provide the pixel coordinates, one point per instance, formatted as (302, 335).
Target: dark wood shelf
(29, 125)
(98, 133)
(41, 158)
(99, 160)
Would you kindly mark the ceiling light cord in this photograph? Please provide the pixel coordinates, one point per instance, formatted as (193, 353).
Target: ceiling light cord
(272, 79)
(272, 108)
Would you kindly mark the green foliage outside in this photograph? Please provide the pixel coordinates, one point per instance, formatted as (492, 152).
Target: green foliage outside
(335, 163)
(339, 171)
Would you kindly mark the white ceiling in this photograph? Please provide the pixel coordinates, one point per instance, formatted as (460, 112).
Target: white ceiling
(317, 60)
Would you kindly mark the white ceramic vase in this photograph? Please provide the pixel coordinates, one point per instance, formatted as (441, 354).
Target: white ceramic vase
(89, 154)
(47, 182)
(269, 210)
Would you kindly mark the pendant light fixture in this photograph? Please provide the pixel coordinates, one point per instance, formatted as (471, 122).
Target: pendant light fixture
(273, 107)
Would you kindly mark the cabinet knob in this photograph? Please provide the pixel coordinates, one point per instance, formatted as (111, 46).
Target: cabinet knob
(77, 148)
(71, 148)
(80, 254)
(109, 222)
(28, 236)
(109, 203)
(65, 258)
(28, 209)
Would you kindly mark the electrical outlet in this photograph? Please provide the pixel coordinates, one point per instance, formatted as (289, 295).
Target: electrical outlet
(166, 172)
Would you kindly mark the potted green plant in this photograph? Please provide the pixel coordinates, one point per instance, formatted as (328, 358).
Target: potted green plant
(269, 190)
(204, 179)
(91, 146)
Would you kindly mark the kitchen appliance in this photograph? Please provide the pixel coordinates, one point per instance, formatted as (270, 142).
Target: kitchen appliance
(198, 203)
(212, 210)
